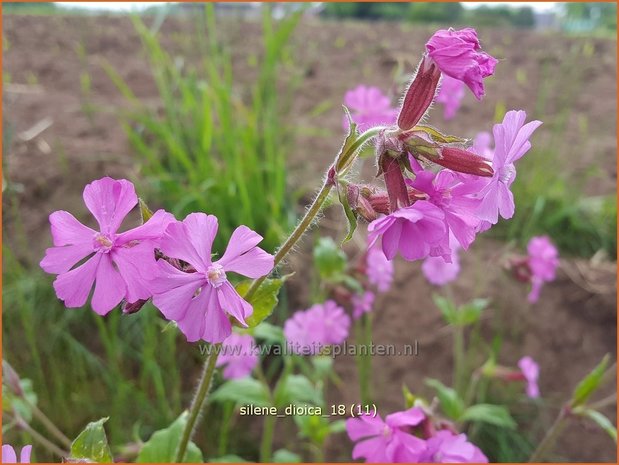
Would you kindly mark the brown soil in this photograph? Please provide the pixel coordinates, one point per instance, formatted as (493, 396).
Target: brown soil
(568, 331)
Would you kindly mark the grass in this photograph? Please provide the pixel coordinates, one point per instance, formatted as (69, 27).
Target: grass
(207, 148)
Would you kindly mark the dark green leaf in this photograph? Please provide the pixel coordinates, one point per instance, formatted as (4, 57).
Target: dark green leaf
(242, 391)
(351, 216)
(297, 389)
(329, 259)
(91, 444)
(163, 445)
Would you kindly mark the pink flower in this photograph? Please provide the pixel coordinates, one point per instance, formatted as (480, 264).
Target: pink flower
(120, 263)
(481, 145)
(386, 441)
(369, 107)
(511, 142)
(456, 196)
(9, 455)
(543, 262)
(459, 55)
(412, 230)
(308, 331)
(239, 356)
(379, 270)
(450, 95)
(530, 371)
(446, 447)
(439, 271)
(201, 302)
(362, 303)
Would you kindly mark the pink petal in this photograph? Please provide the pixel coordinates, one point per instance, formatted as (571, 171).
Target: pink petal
(59, 260)
(24, 456)
(232, 303)
(373, 450)
(173, 290)
(243, 239)
(8, 454)
(153, 229)
(110, 200)
(506, 201)
(202, 230)
(411, 417)
(391, 239)
(66, 230)
(73, 287)
(253, 264)
(177, 243)
(218, 326)
(488, 209)
(137, 265)
(364, 426)
(110, 287)
(193, 323)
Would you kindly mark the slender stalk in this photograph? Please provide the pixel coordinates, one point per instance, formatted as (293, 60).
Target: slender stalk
(198, 401)
(303, 225)
(267, 438)
(47, 423)
(46, 443)
(551, 436)
(458, 357)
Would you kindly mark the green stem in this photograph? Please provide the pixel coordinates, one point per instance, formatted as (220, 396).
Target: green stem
(267, 438)
(46, 443)
(66, 442)
(458, 357)
(551, 436)
(198, 401)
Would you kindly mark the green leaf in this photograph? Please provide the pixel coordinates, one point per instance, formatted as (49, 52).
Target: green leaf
(264, 300)
(91, 444)
(590, 383)
(447, 308)
(345, 157)
(438, 136)
(316, 428)
(297, 389)
(242, 391)
(496, 415)
(285, 456)
(470, 313)
(323, 366)
(451, 403)
(337, 426)
(163, 445)
(228, 459)
(145, 212)
(351, 216)
(329, 259)
(602, 422)
(268, 332)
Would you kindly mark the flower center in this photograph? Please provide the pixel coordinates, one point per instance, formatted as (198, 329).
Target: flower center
(103, 242)
(507, 173)
(216, 275)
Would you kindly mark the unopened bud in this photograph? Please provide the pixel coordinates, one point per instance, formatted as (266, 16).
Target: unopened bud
(359, 203)
(11, 379)
(463, 161)
(420, 94)
(133, 307)
(394, 181)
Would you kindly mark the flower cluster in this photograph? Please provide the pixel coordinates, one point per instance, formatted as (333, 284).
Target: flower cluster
(309, 331)
(409, 437)
(164, 259)
(421, 209)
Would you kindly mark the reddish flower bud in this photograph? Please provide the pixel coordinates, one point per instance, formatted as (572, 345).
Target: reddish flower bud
(133, 307)
(394, 180)
(463, 161)
(360, 204)
(420, 94)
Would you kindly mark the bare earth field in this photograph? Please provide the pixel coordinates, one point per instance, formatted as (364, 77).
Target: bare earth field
(567, 332)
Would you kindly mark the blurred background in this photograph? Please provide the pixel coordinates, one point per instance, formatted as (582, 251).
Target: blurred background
(235, 109)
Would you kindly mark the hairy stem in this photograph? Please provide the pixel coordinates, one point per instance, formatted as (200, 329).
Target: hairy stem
(198, 401)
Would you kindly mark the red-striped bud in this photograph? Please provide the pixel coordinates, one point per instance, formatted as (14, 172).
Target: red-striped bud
(420, 94)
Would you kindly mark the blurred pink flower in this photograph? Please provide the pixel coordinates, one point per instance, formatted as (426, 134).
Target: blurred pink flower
(201, 302)
(440, 272)
(308, 331)
(379, 270)
(9, 455)
(120, 263)
(482, 145)
(511, 142)
(238, 354)
(530, 371)
(362, 303)
(543, 262)
(368, 107)
(450, 96)
(458, 54)
(388, 441)
(446, 447)
(412, 230)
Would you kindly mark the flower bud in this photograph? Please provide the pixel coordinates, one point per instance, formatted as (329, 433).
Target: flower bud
(133, 307)
(454, 158)
(394, 181)
(11, 379)
(359, 204)
(420, 94)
